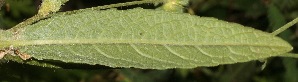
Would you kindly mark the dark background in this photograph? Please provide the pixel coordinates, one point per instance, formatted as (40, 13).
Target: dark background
(265, 15)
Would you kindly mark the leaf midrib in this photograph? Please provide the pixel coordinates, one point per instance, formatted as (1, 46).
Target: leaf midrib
(130, 41)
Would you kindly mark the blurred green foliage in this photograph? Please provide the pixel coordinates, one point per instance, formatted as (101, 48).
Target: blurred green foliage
(266, 15)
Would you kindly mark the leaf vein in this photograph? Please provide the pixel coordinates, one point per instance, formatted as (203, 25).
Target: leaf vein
(147, 56)
(175, 53)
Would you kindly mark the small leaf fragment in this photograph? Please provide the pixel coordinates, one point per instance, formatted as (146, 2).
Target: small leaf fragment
(49, 6)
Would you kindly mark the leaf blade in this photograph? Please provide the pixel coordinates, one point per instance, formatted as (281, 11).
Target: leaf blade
(146, 39)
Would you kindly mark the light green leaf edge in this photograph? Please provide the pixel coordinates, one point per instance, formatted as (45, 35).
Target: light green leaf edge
(9, 58)
(147, 39)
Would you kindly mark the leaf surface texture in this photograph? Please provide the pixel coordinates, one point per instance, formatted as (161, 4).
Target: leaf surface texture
(142, 38)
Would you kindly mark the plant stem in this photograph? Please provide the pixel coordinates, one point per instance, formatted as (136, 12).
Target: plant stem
(291, 55)
(1, 3)
(129, 3)
(118, 5)
(285, 27)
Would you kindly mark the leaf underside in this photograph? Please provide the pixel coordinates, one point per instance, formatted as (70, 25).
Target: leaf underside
(148, 39)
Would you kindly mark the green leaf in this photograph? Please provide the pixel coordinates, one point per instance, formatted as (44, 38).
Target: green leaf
(140, 38)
